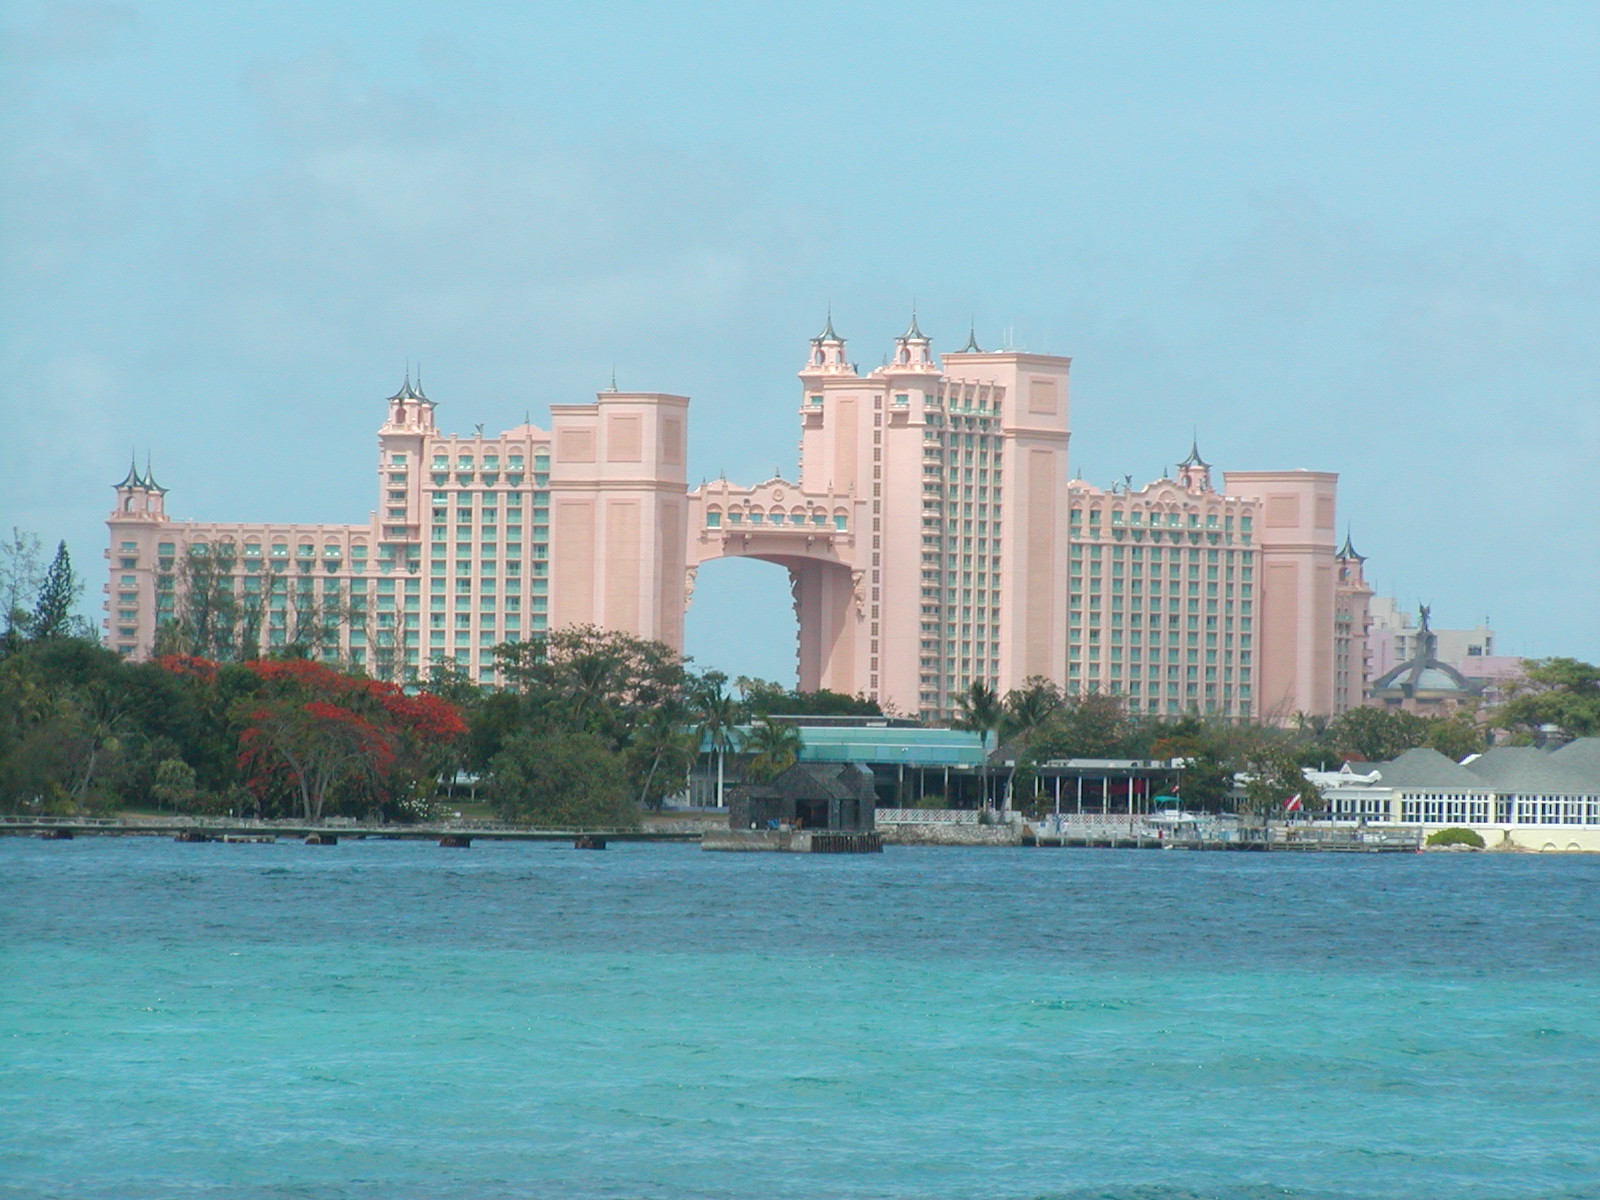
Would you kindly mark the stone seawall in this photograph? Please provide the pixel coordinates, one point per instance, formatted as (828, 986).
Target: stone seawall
(941, 834)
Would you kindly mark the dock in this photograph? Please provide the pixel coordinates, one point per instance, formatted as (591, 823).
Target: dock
(233, 831)
(1277, 839)
(795, 841)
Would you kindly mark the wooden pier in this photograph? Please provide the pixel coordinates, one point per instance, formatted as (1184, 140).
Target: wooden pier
(234, 831)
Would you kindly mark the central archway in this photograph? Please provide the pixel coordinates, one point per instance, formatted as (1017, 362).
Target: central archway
(811, 536)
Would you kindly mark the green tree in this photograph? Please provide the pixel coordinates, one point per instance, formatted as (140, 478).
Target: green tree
(582, 678)
(1376, 734)
(716, 716)
(764, 698)
(1563, 692)
(981, 712)
(660, 753)
(62, 721)
(1456, 735)
(1206, 779)
(773, 746)
(52, 610)
(561, 780)
(20, 577)
(1094, 725)
(1273, 779)
(174, 785)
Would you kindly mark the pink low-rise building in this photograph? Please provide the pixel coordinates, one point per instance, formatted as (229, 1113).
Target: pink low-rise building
(933, 538)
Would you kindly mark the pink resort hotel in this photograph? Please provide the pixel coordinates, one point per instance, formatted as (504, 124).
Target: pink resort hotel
(934, 537)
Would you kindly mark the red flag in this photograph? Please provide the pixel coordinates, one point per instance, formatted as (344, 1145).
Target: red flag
(1292, 804)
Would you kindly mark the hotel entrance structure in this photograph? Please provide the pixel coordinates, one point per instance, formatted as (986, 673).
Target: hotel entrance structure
(933, 538)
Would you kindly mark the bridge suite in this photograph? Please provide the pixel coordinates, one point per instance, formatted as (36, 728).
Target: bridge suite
(812, 536)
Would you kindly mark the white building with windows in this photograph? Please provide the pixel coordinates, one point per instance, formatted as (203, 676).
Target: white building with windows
(1516, 797)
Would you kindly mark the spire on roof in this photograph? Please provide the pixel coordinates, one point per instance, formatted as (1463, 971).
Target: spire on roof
(827, 334)
(972, 346)
(406, 392)
(416, 392)
(132, 479)
(1194, 459)
(1347, 551)
(912, 332)
(150, 477)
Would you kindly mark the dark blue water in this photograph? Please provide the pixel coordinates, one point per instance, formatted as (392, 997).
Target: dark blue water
(384, 1019)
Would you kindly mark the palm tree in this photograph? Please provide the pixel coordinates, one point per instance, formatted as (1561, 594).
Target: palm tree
(981, 713)
(1024, 712)
(662, 741)
(717, 722)
(776, 746)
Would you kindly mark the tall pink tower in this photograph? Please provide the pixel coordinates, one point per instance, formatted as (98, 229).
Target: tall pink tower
(926, 539)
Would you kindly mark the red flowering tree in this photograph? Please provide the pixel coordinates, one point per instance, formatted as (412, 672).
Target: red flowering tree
(318, 736)
(315, 747)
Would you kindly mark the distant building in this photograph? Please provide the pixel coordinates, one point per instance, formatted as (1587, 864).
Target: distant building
(1423, 684)
(1393, 639)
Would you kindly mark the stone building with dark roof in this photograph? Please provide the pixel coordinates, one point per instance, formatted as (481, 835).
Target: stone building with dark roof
(819, 796)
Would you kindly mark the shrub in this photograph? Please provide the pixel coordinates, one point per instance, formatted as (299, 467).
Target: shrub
(1456, 836)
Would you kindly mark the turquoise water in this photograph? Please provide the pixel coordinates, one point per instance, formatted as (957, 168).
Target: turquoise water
(383, 1019)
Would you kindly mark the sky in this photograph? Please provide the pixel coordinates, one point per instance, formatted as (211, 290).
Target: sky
(1351, 237)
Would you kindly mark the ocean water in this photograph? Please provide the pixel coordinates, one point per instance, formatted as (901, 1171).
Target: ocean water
(384, 1019)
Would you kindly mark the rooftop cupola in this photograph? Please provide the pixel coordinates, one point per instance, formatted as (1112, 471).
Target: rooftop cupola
(912, 348)
(150, 479)
(972, 346)
(1194, 472)
(1348, 552)
(827, 351)
(410, 408)
(139, 495)
(1349, 565)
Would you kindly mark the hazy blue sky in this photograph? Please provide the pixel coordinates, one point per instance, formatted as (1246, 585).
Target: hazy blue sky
(1356, 237)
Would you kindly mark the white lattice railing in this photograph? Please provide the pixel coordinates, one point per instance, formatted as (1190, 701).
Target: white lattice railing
(1091, 821)
(926, 816)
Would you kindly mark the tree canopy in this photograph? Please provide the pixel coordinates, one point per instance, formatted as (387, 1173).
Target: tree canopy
(1560, 691)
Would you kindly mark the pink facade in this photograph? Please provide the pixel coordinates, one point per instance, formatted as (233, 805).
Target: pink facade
(933, 539)
(1163, 605)
(1297, 588)
(1352, 630)
(925, 541)
(477, 540)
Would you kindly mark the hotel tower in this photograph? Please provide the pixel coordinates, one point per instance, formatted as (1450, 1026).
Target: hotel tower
(934, 537)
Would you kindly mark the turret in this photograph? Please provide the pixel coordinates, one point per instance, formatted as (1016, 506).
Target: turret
(912, 349)
(139, 495)
(1350, 567)
(1194, 472)
(827, 351)
(410, 408)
